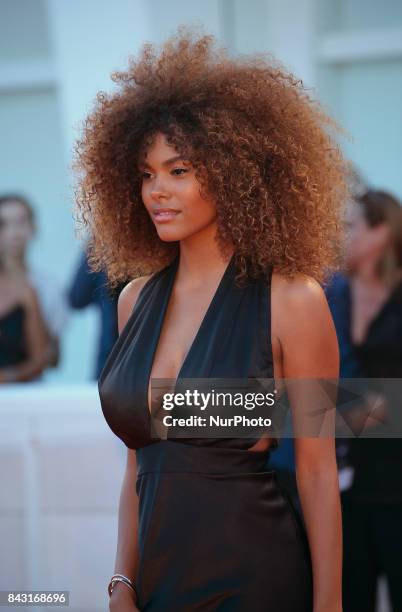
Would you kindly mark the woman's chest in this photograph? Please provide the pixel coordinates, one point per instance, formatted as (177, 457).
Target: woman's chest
(232, 341)
(181, 327)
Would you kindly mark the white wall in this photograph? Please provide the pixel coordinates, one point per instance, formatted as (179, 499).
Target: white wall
(282, 27)
(359, 54)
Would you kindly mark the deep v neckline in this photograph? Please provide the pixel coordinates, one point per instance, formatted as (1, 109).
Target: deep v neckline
(172, 273)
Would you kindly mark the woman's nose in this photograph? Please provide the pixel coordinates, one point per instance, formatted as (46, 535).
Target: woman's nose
(159, 190)
(157, 194)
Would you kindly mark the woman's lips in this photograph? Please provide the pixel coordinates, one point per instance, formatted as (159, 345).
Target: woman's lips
(164, 215)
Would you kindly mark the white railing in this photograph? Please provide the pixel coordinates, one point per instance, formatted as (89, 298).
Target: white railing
(61, 470)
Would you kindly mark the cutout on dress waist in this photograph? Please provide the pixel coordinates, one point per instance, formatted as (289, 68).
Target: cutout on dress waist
(258, 447)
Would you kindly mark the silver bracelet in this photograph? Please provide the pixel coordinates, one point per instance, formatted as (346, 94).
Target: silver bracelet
(121, 578)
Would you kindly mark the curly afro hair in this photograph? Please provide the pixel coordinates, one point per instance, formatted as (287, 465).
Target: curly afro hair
(260, 146)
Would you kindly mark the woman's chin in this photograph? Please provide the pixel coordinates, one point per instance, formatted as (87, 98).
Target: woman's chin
(170, 235)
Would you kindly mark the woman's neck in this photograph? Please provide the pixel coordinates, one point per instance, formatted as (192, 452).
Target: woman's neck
(14, 266)
(200, 257)
(367, 275)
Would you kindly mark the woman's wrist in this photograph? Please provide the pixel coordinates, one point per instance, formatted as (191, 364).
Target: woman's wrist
(121, 592)
(333, 606)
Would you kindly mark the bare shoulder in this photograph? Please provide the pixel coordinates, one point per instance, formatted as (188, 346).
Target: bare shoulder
(27, 295)
(298, 303)
(302, 325)
(128, 298)
(300, 293)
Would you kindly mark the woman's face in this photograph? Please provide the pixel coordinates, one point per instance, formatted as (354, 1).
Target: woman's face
(171, 193)
(16, 228)
(364, 243)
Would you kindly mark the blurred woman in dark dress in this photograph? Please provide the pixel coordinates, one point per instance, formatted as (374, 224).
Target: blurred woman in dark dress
(367, 309)
(22, 331)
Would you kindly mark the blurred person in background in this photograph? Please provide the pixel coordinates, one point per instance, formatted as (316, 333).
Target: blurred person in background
(367, 310)
(23, 338)
(19, 228)
(91, 288)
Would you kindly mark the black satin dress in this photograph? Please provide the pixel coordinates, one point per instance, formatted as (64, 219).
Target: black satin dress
(216, 533)
(12, 340)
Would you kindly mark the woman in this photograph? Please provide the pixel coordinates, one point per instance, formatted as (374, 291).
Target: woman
(22, 331)
(213, 183)
(21, 228)
(368, 314)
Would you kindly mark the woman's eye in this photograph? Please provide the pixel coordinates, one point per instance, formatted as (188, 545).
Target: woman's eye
(176, 172)
(179, 171)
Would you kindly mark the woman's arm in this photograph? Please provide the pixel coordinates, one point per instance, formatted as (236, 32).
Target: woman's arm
(309, 351)
(127, 556)
(35, 340)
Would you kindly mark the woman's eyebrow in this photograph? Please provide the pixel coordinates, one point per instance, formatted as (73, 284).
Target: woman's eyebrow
(167, 162)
